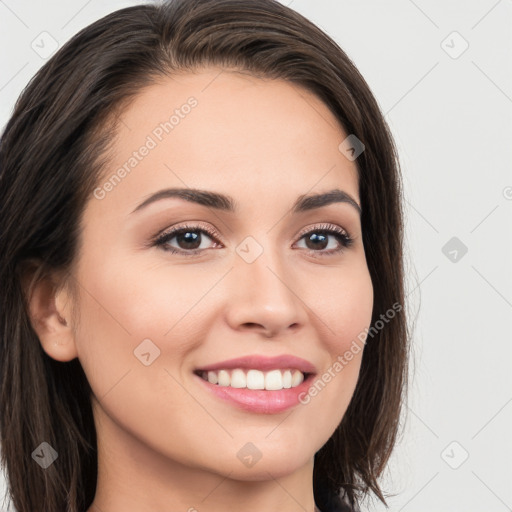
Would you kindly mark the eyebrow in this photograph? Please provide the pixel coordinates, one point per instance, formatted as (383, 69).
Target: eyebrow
(226, 203)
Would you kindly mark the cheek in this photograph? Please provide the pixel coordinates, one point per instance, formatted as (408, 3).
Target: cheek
(347, 308)
(124, 303)
(347, 312)
(126, 315)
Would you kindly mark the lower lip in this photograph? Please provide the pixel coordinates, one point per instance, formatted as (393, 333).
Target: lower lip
(260, 400)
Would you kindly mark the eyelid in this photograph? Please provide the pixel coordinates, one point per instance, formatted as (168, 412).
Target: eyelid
(190, 225)
(160, 238)
(324, 226)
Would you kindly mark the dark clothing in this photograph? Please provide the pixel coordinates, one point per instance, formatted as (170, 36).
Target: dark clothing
(336, 506)
(328, 501)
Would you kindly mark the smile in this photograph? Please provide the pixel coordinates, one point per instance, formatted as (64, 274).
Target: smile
(272, 380)
(258, 384)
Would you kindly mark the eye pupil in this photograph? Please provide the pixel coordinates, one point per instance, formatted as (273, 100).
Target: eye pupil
(191, 240)
(314, 238)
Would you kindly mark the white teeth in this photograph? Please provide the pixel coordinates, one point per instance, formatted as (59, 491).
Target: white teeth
(274, 380)
(287, 379)
(297, 378)
(255, 379)
(224, 378)
(238, 379)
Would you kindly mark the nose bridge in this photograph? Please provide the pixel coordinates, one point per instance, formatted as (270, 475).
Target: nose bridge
(265, 293)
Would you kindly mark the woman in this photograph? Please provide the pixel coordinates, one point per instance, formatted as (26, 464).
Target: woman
(201, 269)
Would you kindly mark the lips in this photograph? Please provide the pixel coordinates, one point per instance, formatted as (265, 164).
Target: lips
(258, 384)
(260, 401)
(261, 363)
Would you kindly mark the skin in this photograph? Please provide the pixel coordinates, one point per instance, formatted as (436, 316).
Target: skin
(164, 443)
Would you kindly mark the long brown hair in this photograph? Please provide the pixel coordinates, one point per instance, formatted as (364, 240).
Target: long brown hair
(50, 161)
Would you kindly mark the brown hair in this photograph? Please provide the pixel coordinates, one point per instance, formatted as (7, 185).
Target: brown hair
(50, 161)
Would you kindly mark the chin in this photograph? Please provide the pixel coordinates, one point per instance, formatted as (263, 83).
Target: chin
(271, 464)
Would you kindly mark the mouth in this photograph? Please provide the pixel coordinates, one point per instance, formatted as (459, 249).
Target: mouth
(258, 384)
(273, 380)
(264, 385)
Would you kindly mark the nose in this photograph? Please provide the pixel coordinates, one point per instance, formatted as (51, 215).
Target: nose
(264, 297)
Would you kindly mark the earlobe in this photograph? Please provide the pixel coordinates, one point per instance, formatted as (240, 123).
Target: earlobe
(50, 316)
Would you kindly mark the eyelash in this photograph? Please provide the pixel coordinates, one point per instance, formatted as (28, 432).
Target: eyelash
(342, 236)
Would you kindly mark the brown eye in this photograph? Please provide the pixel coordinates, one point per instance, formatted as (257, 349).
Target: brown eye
(332, 238)
(188, 240)
(317, 241)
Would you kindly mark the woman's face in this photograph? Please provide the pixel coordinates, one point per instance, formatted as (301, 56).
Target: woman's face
(260, 280)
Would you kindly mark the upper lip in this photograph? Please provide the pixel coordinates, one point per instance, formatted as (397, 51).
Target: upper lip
(258, 362)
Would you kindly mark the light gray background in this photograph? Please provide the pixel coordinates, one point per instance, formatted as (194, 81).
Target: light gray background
(451, 116)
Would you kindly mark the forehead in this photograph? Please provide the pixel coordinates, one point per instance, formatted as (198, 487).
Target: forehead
(252, 138)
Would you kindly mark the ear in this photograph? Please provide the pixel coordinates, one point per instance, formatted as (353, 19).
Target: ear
(50, 313)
